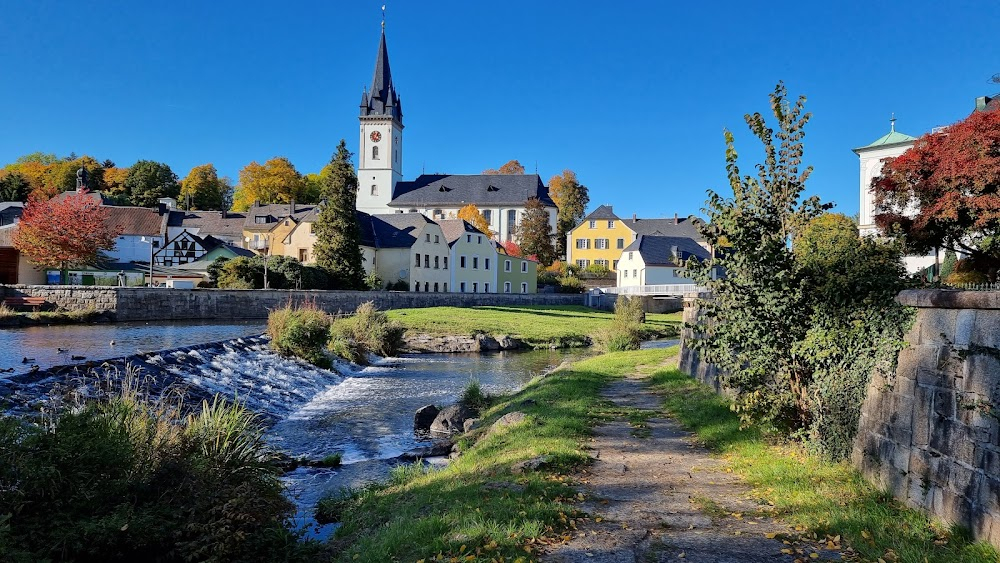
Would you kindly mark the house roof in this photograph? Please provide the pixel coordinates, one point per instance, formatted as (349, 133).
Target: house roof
(209, 222)
(137, 220)
(395, 230)
(890, 139)
(454, 229)
(602, 212)
(451, 190)
(678, 227)
(95, 195)
(10, 212)
(665, 251)
(273, 213)
(382, 99)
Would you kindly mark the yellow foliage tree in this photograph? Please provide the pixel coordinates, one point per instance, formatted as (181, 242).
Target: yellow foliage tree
(202, 189)
(512, 167)
(114, 182)
(275, 181)
(475, 218)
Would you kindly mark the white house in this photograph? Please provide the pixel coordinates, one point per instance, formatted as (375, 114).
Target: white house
(405, 247)
(474, 258)
(657, 260)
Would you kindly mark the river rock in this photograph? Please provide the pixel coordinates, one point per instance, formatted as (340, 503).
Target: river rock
(451, 419)
(529, 465)
(487, 343)
(436, 449)
(424, 417)
(504, 421)
(470, 424)
(508, 342)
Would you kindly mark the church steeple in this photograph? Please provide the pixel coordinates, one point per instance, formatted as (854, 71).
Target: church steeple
(382, 98)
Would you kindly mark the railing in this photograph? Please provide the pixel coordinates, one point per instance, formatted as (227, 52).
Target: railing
(975, 286)
(666, 289)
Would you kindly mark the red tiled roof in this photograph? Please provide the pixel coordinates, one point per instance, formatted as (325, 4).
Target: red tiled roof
(136, 220)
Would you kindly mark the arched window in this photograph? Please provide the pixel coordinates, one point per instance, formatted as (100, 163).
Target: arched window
(374, 153)
(374, 189)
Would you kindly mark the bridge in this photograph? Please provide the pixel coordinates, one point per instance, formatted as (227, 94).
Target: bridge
(666, 290)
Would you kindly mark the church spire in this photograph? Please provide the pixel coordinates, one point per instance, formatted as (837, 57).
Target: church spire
(382, 97)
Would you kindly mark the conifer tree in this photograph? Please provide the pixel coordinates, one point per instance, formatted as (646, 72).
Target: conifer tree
(534, 232)
(338, 236)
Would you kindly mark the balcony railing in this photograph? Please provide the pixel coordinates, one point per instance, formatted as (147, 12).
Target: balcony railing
(666, 289)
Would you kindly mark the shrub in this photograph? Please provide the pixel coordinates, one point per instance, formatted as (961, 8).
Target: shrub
(597, 270)
(302, 331)
(624, 332)
(373, 282)
(131, 478)
(570, 284)
(474, 397)
(398, 285)
(965, 272)
(368, 331)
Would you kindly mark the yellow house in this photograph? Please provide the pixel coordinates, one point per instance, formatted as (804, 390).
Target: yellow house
(269, 226)
(602, 236)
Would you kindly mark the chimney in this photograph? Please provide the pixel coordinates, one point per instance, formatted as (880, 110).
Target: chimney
(291, 207)
(161, 208)
(634, 218)
(676, 220)
(224, 213)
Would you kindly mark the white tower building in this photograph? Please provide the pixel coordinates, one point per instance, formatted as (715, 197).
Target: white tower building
(380, 151)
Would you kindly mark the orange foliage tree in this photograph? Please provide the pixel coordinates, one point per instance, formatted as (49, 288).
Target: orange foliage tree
(475, 218)
(64, 232)
(512, 167)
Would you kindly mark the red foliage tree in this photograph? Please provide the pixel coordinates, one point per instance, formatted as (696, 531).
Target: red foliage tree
(512, 249)
(64, 232)
(945, 191)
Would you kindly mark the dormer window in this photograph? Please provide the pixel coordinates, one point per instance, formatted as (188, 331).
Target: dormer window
(261, 220)
(374, 153)
(492, 188)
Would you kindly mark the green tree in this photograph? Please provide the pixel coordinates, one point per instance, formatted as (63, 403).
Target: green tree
(571, 198)
(275, 181)
(534, 234)
(338, 236)
(14, 186)
(202, 188)
(148, 181)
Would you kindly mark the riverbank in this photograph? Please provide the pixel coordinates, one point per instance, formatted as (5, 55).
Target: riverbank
(10, 318)
(473, 329)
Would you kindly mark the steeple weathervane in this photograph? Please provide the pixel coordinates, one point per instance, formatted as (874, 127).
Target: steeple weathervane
(892, 122)
(383, 17)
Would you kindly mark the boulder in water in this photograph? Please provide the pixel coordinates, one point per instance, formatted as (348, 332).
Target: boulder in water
(451, 420)
(424, 417)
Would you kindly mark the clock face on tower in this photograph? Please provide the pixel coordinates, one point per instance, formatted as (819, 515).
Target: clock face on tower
(376, 136)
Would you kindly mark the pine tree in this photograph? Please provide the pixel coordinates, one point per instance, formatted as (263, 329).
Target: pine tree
(338, 236)
(534, 232)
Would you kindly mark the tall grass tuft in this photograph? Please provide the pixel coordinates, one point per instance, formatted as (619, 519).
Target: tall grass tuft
(474, 397)
(625, 330)
(368, 331)
(300, 330)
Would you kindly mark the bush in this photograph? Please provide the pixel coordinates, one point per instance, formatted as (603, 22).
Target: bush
(569, 284)
(368, 331)
(625, 330)
(398, 285)
(283, 272)
(373, 282)
(302, 331)
(474, 397)
(130, 478)
(597, 270)
(965, 272)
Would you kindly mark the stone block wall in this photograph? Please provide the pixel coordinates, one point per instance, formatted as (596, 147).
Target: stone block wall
(690, 363)
(930, 433)
(151, 304)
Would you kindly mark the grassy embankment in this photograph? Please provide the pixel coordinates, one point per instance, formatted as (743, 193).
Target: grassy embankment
(476, 508)
(820, 497)
(9, 317)
(536, 326)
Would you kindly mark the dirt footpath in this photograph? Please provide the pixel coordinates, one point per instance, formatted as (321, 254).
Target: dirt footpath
(656, 496)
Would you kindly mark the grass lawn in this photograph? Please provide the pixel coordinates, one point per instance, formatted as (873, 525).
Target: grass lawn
(476, 509)
(830, 499)
(536, 326)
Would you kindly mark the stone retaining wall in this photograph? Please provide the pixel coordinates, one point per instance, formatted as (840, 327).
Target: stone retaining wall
(929, 433)
(690, 363)
(147, 304)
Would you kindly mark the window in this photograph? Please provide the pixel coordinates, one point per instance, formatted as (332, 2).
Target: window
(427, 286)
(524, 287)
(260, 220)
(601, 243)
(635, 273)
(375, 190)
(416, 286)
(629, 255)
(506, 265)
(437, 239)
(601, 262)
(614, 265)
(475, 262)
(437, 264)
(621, 243)
(582, 243)
(446, 265)
(593, 224)
(303, 255)
(524, 267)
(488, 215)
(506, 287)
(582, 263)
(416, 263)
(427, 237)
(611, 223)
(461, 287)
(468, 238)
(438, 214)
(435, 287)
(511, 222)
(427, 260)
(486, 287)
(461, 261)
(486, 263)
(475, 287)
(625, 274)
(479, 240)
(374, 153)
(446, 287)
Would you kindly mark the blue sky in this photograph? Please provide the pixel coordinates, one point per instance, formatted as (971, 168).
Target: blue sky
(633, 96)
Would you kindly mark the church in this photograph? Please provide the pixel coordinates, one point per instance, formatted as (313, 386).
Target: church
(381, 188)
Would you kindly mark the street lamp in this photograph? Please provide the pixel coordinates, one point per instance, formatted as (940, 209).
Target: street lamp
(153, 243)
(261, 243)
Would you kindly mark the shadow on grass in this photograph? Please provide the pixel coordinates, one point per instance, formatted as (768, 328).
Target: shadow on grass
(822, 496)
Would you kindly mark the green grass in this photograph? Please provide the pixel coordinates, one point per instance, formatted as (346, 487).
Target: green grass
(821, 497)
(536, 326)
(476, 506)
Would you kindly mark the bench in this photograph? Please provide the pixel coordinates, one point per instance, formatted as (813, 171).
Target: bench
(33, 302)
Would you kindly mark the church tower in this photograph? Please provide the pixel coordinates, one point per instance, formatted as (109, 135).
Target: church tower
(380, 153)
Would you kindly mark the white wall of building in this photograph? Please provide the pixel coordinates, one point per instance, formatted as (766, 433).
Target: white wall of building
(377, 177)
(871, 162)
(132, 248)
(480, 272)
(632, 271)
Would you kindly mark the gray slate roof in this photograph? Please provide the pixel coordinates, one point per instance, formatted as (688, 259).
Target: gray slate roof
(450, 190)
(273, 212)
(681, 227)
(666, 251)
(382, 99)
(391, 230)
(455, 229)
(10, 212)
(601, 213)
(209, 222)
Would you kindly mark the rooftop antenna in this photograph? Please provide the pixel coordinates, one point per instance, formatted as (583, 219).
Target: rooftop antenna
(536, 168)
(892, 122)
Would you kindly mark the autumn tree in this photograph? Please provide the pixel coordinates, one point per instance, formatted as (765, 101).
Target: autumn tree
(202, 189)
(475, 218)
(951, 179)
(534, 232)
(275, 181)
(571, 198)
(338, 236)
(512, 248)
(13, 186)
(61, 175)
(64, 232)
(512, 167)
(114, 184)
(148, 181)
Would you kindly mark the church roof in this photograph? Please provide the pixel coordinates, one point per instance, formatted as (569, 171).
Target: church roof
(892, 138)
(382, 99)
(450, 190)
(666, 251)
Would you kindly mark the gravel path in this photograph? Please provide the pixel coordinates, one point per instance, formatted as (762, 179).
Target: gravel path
(654, 495)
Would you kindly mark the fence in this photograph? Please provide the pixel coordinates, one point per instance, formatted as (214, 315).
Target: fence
(677, 289)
